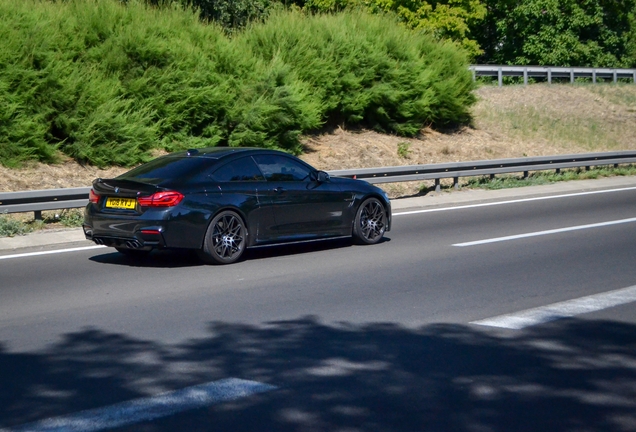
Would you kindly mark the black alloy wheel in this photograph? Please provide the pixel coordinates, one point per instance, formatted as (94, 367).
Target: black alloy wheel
(370, 222)
(225, 239)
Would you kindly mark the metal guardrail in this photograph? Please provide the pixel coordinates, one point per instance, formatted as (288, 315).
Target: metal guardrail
(53, 199)
(550, 72)
(455, 170)
(39, 200)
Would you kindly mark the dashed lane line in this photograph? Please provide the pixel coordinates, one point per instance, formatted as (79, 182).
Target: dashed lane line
(522, 200)
(547, 232)
(149, 408)
(564, 309)
(56, 251)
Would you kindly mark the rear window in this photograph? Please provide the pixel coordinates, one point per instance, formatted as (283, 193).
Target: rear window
(169, 168)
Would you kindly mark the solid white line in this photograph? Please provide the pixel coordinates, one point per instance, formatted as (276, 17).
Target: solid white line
(569, 308)
(542, 233)
(512, 201)
(150, 408)
(30, 254)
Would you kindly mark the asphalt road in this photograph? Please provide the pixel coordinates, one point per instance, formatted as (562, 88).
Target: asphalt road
(379, 338)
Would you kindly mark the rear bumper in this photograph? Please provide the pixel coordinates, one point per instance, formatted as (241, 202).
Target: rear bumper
(146, 238)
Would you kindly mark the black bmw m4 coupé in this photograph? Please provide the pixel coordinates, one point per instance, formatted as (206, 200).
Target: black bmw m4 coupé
(220, 201)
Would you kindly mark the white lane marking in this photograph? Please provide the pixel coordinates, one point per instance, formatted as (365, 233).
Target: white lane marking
(513, 201)
(150, 408)
(569, 308)
(547, 232)
(30, 254)
(394, 214)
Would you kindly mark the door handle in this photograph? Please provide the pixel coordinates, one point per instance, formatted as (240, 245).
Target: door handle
(279, 189)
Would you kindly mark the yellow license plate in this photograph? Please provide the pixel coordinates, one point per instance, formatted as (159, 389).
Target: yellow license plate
(121, 203)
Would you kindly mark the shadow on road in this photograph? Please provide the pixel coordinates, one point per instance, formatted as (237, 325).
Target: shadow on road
(571, 375)
(188, 258)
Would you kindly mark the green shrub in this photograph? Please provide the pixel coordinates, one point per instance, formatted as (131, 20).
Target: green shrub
(10, 227)
(106, 82)
(365, 70)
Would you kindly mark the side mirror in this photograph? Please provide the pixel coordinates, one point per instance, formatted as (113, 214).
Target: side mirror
(322, 177)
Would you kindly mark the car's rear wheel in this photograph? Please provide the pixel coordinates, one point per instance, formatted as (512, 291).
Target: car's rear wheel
(370, 223)
(225, 239)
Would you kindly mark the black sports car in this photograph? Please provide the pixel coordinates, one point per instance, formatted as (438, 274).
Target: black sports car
(220, 201)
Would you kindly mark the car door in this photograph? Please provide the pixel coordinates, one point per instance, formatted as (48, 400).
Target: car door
(242, 185)
(303, 207)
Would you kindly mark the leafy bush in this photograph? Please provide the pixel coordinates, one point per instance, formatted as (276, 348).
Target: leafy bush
(364, 70)
(10, 227)
(105, 82)
(593, 33)
(444, 19)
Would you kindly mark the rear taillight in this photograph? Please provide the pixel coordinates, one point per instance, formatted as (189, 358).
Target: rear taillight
(161, 199)
(93, 197)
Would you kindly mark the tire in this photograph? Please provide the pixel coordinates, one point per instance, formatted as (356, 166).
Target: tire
(133, 253)
(225, 239)
(370, 222)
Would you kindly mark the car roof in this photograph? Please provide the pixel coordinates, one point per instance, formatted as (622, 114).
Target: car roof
(221, 152)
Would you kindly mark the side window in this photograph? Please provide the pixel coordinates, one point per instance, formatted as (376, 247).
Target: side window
(281, 168)
(243, 169)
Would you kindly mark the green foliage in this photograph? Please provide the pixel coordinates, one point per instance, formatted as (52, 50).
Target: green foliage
(558, 32)
(630, 41)
(403, 150)
(360, 69)
(544, 177)
(232, 14)
(105, 82)
(10, 227)
(71, 218)
(445, 19)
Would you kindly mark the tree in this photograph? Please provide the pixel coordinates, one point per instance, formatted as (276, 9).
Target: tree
(556, 32)
(445, 19)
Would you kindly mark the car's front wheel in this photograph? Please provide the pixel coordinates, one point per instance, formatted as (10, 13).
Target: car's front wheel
(225, 239)
(370, 223)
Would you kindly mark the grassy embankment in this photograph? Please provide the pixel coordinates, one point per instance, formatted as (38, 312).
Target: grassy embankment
(105, 84)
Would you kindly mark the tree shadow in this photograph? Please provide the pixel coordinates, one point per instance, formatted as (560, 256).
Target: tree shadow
(565, 376)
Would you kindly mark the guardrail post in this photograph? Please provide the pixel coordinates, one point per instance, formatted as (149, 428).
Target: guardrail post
(558, 170)
(456, 182)
(634, 74)
(525, 174)
(571, 76)
(615, 77)
(438, 187)
(500, 77)
(594, 76)
(474, 75)
(37, 215)
(549, 75)
(525, 76)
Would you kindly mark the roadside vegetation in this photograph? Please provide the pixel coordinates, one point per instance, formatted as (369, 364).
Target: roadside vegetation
(23, 223)
(544, 177)
(106, 84)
